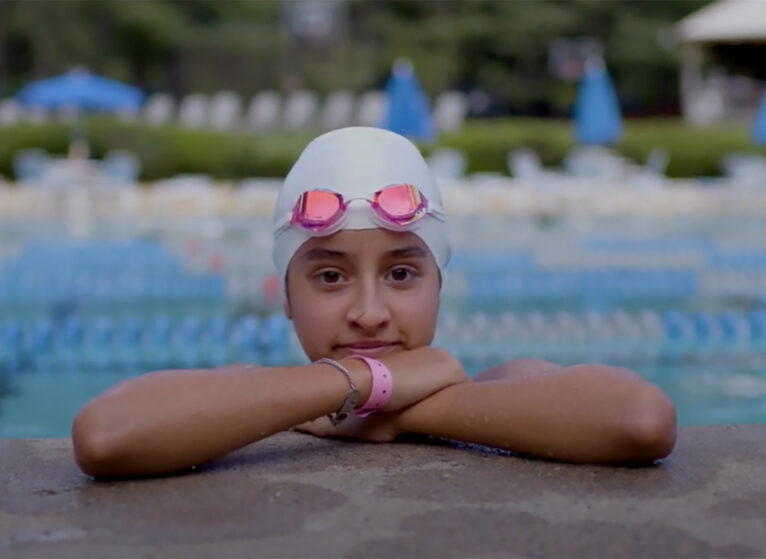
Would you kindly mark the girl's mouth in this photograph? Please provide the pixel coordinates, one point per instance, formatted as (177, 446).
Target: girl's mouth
(368, 349)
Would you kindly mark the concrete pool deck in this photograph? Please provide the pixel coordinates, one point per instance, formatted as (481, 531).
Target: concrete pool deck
(296, 496)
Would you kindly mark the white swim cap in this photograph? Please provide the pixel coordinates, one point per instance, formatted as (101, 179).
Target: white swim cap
(356, 162)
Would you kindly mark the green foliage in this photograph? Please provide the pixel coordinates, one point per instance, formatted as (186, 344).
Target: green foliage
(163, 151)
(487, 142)
(170, 150)
(694, 152)
(500, 46)
(53, 138)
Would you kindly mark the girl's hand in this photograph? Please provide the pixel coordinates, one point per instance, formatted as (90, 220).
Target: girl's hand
(418, 373)
(378, 428)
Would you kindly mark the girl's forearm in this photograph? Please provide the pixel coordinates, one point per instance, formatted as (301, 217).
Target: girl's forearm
(584, 413)
(165, 421)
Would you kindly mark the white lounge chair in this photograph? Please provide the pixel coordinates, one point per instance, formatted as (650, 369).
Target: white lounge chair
(193, 111)
(300, 110)
(264, 110)
(447, 163)
(159, 109)
(10, 112)
(225, 110)
(338, 110)
(30, 164)
(121, 165)
(450, 110)
(371, 108)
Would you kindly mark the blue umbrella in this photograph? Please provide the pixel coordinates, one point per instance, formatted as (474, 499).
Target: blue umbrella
(597, 118)
(759, 126)
(407, 111)
(82, 90)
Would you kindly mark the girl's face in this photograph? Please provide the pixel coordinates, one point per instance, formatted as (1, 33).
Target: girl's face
(369, 292)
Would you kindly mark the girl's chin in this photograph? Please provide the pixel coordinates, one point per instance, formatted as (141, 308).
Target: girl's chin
(371, 352)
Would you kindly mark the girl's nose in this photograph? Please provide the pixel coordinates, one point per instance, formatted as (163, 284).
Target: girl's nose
(369, 310)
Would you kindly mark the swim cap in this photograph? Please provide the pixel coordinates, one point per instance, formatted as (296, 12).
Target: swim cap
(356, 162)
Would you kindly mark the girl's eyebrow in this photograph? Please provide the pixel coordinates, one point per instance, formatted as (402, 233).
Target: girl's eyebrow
(408, 252)
(323, 254)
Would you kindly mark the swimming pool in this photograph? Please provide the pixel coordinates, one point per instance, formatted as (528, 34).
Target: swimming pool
(680, 301)
(710, 388)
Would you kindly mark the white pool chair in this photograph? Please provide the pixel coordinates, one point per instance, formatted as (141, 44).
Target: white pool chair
(225, 110)
(595, 162)
(657, 161)
(264, 111)
(300, 110)
(121, 165)
(338, 110)
(450, 110)
(10, 112)
(744, 169)
(447, 163)
(193, 111)
(525, 165)
(371, 108)
(159, 109)
(30, 164)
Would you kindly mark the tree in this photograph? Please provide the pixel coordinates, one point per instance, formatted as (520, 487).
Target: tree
(207, 45)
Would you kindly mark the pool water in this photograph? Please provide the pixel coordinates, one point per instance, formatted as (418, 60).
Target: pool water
(681, 302)
(42, 404)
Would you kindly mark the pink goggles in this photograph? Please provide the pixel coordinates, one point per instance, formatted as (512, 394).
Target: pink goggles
(398, 207)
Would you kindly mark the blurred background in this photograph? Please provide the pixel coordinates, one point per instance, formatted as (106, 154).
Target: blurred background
(602, 163)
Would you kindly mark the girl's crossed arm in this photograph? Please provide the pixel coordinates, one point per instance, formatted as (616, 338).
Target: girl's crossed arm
(581, 413)
(169, 420)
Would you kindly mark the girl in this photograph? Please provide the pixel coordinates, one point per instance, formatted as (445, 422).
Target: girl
(361, 242)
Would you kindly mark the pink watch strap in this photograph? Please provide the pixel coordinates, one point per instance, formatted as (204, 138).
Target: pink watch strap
(382, 383)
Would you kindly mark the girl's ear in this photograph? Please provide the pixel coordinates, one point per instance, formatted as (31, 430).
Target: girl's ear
(286, 301)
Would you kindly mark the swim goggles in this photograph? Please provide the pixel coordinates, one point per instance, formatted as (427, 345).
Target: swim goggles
(397, 207)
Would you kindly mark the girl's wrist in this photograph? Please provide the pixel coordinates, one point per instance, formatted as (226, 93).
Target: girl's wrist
(380, 391)
(362, 377)
(356, 388)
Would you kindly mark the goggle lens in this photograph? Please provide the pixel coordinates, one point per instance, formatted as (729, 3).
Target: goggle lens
(400, 202)
(319, 207)
(321, 211)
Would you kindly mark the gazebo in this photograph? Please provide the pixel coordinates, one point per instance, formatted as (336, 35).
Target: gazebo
(731, 34)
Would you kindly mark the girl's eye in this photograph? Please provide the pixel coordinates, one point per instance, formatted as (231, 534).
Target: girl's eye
(401, 274)
(329, 276)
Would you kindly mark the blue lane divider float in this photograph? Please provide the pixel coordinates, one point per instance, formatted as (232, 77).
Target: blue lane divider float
(102, 272)
(158, 342)
(646, 335)
(613, 285)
